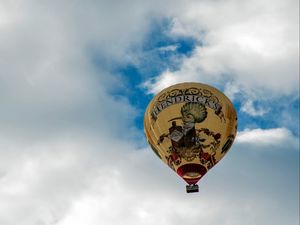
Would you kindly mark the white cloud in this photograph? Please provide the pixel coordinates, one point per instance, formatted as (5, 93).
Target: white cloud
(39, 182)
(255, 43)
(86, 179)
(54, 104)
(169, 48)
(249, 108)
(231, 90)
(280, 137)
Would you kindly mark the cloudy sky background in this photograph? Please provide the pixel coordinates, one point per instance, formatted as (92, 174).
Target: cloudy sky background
(76, 76)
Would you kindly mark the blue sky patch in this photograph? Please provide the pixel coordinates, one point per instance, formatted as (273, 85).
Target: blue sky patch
(159, 52)
(283, 112)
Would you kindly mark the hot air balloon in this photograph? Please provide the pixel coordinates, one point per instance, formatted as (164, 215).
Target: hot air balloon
(190, 127)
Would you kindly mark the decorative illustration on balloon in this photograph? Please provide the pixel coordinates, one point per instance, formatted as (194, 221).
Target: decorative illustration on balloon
(190, 126)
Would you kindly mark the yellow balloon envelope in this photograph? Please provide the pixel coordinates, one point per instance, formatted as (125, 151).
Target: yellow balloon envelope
(190, 127)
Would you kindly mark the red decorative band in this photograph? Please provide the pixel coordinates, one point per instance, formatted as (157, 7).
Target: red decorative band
(191, 168)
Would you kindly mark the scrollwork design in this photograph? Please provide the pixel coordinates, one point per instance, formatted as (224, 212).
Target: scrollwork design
(188, 91)
(174, 93)
(162, 97)
(193, 91)
(207, 93)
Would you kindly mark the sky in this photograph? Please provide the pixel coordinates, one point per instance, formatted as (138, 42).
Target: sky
(77, 76)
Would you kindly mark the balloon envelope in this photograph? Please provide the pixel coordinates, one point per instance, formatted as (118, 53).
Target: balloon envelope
(190, 127)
